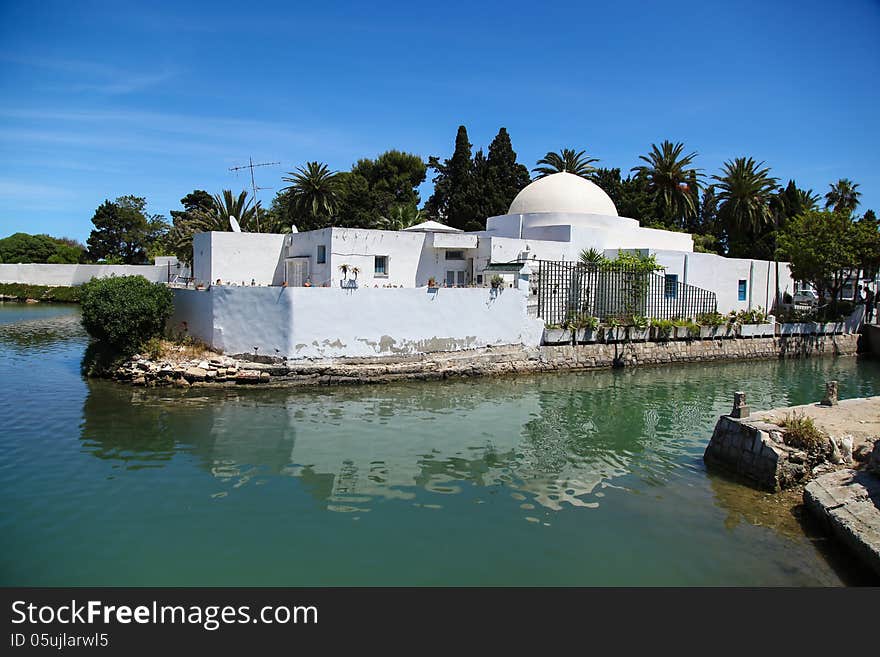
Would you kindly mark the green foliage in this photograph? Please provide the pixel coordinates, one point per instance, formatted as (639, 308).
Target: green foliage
(802, 433)
(567, 159)
(673, 182)
(22, 292)
(745, 190)
(754, 316)
(24, 248)
(592, 257)
(126, 311)
(313, 195)
(639, 321)
(468, 189)
(637, 261)
(497, 281)
(843, 197)
(124, 230)
(821, 247)
(662, 327)
(706, 244)
(710, 319)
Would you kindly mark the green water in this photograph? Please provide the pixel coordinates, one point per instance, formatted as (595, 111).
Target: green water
(574, 479)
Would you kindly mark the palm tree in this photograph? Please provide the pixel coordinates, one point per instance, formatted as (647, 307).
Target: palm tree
(843, 196)
(744, 193)
(226, 205)
(401, 217)
(314, 193)
(807, 199)
(576, 162)
(591, 257)
(672, 181)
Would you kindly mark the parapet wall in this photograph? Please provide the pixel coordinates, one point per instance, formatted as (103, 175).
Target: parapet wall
(70, 275)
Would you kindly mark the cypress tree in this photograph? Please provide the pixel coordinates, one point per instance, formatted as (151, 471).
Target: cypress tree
(504, 178)
(451, 201)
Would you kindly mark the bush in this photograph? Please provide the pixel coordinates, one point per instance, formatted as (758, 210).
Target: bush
(802, 433)
(124, 312)
(710, 319)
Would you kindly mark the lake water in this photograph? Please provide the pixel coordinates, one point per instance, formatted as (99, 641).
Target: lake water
(573, 479)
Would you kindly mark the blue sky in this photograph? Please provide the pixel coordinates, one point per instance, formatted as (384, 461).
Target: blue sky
(101, 99)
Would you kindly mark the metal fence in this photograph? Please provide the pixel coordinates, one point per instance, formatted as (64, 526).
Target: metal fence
(567, 290)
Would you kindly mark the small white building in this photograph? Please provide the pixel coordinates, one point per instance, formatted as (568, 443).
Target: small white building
(553, 218)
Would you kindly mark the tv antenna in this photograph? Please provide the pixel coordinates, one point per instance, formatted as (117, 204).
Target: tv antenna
(250, 165)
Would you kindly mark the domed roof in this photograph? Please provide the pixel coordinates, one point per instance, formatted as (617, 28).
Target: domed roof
(563, 192)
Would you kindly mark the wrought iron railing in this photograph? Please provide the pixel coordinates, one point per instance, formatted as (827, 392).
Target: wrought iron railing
(567, 290)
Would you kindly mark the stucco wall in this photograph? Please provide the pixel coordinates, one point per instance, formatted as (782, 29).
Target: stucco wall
(238, 258)
(68, 275)
(722, 275)
(332, 322)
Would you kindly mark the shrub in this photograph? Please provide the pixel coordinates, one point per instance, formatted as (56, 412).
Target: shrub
(710, 319)
(802, 433)
(126, 311)
(662, 327)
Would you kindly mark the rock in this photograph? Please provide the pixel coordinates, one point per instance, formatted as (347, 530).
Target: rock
(874, 460)
(203, 364)
(247, 376)
(264, 376)
(139, 381)
(211, 374)
(180, 382)
(863, 452)
(196, 373)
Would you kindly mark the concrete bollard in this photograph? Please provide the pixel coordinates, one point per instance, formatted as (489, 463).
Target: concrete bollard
(830, 398)
(740, 408)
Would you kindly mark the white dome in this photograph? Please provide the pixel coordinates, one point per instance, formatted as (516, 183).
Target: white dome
(563, 193)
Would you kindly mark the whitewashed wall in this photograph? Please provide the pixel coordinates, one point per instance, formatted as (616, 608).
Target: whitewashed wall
(70, 275)
(238, 258)
(722, 275)
(332, 322)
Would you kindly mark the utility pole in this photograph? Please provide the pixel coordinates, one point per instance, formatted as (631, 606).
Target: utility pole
(254, 187)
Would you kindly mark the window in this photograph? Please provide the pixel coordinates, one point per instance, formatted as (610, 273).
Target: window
(322, 254)
(460, 280)
(671, 286)
(741, 291)
(455, 255)
(479, 279)
(380, 266)
(450, 279)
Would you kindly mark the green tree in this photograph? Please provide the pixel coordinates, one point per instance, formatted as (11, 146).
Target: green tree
(843, 196)
(454, 187)
(820, 248)
(123, 312)
(866, 244)
(24, 248)
(745, 190)
(567, 159)
(314, 195)
(124, 232)
(502, 177)
(673, 182)
(245, 211)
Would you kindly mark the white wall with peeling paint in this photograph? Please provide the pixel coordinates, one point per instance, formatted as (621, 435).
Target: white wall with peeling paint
(332, 323)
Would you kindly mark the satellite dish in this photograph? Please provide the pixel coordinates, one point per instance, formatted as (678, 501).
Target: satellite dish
(233, 222)
(293, 228)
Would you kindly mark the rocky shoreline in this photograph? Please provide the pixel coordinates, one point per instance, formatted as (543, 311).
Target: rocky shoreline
(211, 369)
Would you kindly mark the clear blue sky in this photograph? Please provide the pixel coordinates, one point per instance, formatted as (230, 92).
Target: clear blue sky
(101, 99)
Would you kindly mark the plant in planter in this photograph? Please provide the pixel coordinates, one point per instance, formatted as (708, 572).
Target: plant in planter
(638, 328)
(753, 323)
(661, 329)
(586, 328)
(355, 271)
(557, 334)
(497, 282)
(709, 324)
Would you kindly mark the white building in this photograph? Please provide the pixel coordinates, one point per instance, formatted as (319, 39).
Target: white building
(553, 218)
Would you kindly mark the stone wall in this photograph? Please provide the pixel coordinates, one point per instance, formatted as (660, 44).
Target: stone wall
(487, 361)
(756, 451)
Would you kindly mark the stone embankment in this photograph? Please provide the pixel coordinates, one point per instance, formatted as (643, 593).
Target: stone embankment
(225, 370)
(757, 448)
(840, 466)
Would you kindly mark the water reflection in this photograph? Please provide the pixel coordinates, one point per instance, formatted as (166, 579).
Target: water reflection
(552, 441)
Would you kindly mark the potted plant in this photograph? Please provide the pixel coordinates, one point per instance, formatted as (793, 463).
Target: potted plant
(661, 329)
(709, 324)
(432, 284)
(754, 323)
(497, 282)
(638, 329)
(556, 334)
(615, 331)
(586, 329)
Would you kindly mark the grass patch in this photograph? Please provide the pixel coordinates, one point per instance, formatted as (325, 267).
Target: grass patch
(23, 292)
(802, 433)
